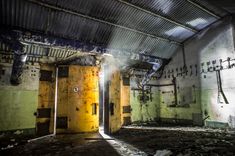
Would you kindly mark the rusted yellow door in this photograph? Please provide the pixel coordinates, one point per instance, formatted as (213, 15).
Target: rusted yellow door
(46, 95)
(115, 102)
(83, 98)
(125, 102)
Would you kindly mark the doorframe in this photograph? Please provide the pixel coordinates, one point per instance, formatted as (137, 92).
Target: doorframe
(106, 98)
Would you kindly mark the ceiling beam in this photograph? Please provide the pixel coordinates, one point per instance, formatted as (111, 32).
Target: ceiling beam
(101, 21)
(204, 9)
(159, 16)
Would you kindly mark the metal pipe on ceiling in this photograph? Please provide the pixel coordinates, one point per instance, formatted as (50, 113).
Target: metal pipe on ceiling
(159, 16)
(19, 59)
(204, 9)
(101, 21)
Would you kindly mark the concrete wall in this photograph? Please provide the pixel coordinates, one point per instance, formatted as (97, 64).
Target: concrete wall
(214, 44)
(221, 46)
(197, 89)
(159, 108)
(18, 103)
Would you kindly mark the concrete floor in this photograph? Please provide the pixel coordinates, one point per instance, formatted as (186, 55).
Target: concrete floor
(134, 141)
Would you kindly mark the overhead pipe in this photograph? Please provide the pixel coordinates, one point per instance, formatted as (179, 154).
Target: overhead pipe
(54, 41)
(19, 53)
(74, 57)
(19, 60)
(150, 73)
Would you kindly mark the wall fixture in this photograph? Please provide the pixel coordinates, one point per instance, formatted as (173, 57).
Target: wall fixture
(220, 88)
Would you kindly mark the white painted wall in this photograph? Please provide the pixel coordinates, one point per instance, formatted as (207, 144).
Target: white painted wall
(212, 44)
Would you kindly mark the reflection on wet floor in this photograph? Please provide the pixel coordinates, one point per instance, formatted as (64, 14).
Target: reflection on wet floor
(133, 141)
(122, 147)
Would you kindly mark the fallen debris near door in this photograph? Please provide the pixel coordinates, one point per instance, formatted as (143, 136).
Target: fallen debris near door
(18, 132)
(163, 153)
(9, 146)
(2, 135)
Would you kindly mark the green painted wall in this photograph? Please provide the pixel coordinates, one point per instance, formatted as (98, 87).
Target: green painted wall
(148, 111)
(17, 108)
(180, 112)
(18, 103)
(159, 109)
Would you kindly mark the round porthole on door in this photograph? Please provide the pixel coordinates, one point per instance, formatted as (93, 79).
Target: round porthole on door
(75, 89)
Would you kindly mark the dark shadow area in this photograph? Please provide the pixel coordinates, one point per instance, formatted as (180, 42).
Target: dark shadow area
(9, 140)
(88, 144)
(179, 142)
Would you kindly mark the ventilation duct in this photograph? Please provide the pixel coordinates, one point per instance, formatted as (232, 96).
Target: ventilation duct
(150, 73)
(17, 68)
(11, 40)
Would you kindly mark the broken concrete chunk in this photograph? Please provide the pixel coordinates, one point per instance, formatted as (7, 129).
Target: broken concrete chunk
(163, 153)
(12, 140)
(18, 132)
(2, 135)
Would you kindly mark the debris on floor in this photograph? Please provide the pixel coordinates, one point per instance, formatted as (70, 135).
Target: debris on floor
(18, 132)
(131, 141)
(163, 153)
(2, 135)
(9, 146)
(181, 141)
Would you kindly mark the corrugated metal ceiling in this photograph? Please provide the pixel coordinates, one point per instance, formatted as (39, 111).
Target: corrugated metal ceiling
(226, 5)
(154, 27)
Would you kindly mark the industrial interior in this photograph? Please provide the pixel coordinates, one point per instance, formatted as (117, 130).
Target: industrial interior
(117, 77)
